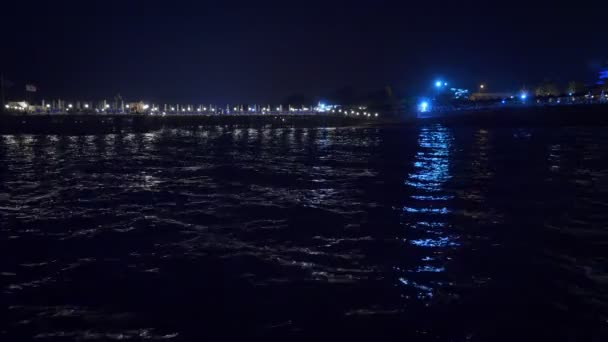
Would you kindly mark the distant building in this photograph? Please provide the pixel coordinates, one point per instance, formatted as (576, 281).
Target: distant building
(136, 107)
(18, 106)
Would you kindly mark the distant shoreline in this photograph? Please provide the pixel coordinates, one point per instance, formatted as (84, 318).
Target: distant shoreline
(79, 124)
(535, 115)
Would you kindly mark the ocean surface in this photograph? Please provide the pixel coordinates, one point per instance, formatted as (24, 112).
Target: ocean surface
(427, 233)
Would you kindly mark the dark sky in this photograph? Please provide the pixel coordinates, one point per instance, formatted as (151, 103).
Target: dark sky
(255, 51)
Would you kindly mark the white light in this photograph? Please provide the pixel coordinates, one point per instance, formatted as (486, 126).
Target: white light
(86, 105)
(173, 108)
(482, 86)
(438, 84)
(70, 105)
(376, 114)
(189, 109)
(47, 106)
(424, 106)
(7, 106)
(107, 106)
(146, 106)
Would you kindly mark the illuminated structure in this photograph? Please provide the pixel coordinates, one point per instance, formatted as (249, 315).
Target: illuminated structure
(603, 75)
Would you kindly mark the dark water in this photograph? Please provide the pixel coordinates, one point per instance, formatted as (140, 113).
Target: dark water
(425, 233)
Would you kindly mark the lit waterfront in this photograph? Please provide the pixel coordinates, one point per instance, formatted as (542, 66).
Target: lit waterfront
(104, 107)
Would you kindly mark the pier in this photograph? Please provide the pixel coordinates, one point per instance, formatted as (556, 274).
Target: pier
(109, 123)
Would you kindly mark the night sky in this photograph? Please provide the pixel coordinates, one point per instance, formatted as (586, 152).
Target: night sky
(257, 52)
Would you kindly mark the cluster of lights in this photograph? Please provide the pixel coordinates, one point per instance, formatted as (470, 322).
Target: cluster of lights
(153, 110)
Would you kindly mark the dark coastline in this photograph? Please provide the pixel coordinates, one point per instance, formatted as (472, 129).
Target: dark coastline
(564, 115)
(79, 124)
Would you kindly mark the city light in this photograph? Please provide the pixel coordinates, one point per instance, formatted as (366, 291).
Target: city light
(423, 106)
(47, 106)
(86, 105)
(70, 105)
(524, 96)
(146, 107)
(482, 86)
(107, 106)
(7, 106)
(438, 84)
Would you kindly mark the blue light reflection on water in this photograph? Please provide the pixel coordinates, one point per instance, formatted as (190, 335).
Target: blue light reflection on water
(425, 214)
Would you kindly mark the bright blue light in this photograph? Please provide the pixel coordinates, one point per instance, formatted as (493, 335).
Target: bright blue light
(438, 84)
(503, 101)
(524, 96)
(569, 94)
(423, 107)
(445, 84)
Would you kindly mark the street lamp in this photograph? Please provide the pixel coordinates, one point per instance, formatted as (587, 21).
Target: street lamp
(482, 86)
